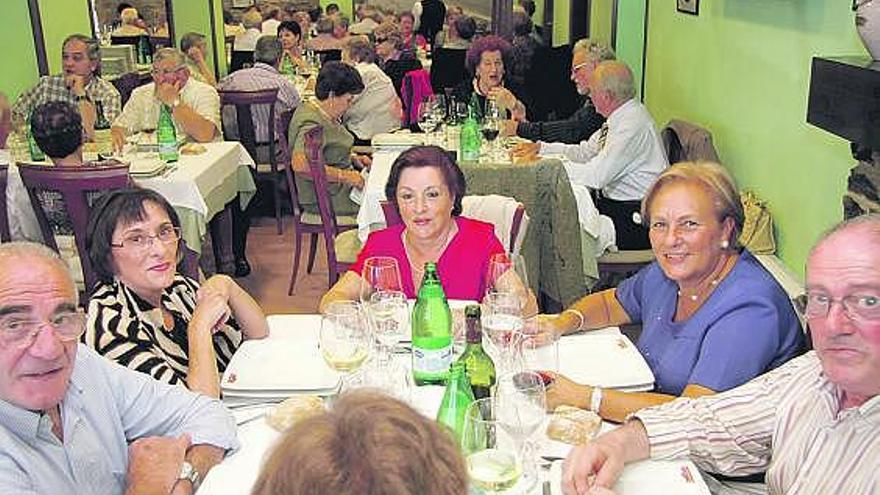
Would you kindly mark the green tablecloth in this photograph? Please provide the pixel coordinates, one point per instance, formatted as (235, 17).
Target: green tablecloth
(558, 252)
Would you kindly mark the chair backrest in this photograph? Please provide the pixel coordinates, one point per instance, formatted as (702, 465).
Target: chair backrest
(447, 68)
(125, 40)
(243, 102)
(4, 215)
(510, 223)
(416, 86)
(329, 55)
(314, 142)
(241, 59)
(282, 123)
(685, 141)
(78, 187)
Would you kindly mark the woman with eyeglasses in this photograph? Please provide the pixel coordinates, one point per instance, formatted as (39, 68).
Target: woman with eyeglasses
(146, 316)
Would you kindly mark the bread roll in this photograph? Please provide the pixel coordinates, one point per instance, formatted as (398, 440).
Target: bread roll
(572, 425)
(294, 410)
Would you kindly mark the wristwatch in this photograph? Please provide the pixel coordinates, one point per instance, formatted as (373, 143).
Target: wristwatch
(188, 472)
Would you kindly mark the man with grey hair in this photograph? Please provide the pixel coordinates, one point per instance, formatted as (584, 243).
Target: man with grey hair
(78, 84)
(619, 162)
(252, 22)
(377, 109)
(585, 56)
(72, 421)
(194, 105)
(813, 424)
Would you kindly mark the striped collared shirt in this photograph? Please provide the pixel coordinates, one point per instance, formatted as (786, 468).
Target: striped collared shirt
(787, 422)
(126, 329)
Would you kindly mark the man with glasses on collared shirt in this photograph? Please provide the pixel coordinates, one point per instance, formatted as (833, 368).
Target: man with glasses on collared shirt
(73, 422)
(813, 424)
(195, 106)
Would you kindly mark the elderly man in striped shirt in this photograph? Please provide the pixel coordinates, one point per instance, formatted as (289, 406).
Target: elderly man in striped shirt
(812, 424)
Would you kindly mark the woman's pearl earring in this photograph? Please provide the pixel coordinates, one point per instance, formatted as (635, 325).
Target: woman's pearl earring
(725, 244)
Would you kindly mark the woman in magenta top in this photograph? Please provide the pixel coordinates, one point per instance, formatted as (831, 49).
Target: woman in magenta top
(426, 187)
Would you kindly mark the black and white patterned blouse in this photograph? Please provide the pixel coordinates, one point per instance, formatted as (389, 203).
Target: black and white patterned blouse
(127, 329)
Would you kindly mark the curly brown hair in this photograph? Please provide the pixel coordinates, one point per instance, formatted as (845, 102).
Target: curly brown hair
(489, 43)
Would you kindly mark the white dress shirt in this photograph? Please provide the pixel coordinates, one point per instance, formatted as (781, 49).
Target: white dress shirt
(247, 41)
(141, 112)
(628, 163)
(377, 109)
(270, 27)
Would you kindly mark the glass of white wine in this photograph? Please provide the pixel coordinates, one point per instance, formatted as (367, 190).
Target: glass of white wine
(344, 337)
(492, 457)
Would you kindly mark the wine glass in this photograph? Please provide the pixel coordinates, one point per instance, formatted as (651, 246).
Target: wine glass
(522, 405)
(491, 127)
(508, 272)
(388, 312)
(379, 274)
(502, 323)
(492, 457)
(344, 338)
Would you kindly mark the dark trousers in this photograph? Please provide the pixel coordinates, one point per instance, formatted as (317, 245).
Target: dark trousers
(241, 223)
(630, 235)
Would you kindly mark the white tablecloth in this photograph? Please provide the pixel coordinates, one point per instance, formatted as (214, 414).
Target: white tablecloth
(237, 473)
(370, 216)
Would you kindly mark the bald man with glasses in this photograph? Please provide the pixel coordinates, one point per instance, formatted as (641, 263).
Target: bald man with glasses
(813, 424)
(72, 421)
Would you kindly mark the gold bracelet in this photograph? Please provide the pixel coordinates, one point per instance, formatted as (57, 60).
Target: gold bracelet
(579, 315)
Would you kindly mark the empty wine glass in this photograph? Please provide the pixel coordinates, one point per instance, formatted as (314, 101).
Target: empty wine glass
(502, 323)
(508, 272)
(491, 455)
(522, 405)
(379, 274)
(344, 338)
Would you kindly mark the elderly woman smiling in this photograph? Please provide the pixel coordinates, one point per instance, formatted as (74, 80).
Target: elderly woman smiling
(712, 316)
(486, 60)
(426, 187)
(146, 316)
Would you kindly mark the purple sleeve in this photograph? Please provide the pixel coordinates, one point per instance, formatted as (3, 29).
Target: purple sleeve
(631, 291)
(739, 346)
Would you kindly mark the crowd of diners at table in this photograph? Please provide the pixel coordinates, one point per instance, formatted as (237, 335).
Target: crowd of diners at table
(121, 393)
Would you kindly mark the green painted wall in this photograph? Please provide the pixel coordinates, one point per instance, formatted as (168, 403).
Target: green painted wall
(561, 14)
(631, 36)
(600, 20)
(15, 34)
(345, 6)
(61, 18)
(193, 16)
(742, 70)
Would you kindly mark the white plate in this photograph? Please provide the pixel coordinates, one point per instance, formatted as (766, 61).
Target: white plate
(271, 367)
(606, 360)
(648, 478)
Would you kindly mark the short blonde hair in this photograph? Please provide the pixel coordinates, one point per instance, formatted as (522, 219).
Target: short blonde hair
(128, 15)
(714, 180)
(369, 444)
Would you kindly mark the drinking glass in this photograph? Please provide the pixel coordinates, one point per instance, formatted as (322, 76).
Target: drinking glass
(491, 127)
(379, 274)
(508, 272)
(388, 313)
(543, 353)
(503, 323)
(492, 457)
(344, 337)
(522, 405)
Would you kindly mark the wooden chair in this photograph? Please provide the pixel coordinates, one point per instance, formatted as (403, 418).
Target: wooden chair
(243, 102)
(518, 222)
(4, 215)
(340, 241)
(241, 59)
(624, 262)
(78, 187)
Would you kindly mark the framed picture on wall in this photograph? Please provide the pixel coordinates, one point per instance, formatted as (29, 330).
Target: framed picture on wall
(689, 6)
(248, 3)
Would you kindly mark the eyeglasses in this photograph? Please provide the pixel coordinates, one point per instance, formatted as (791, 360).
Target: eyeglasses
(20, 332)
(141, 241)
(578, 67)
(859, 307)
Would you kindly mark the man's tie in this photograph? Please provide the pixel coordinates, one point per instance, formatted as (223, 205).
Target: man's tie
(603, 135)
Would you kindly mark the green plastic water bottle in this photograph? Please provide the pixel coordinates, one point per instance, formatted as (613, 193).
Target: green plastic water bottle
(166, 136)
(456, 399)
(469, 140)
(37, 154)
(478, 365)
(431, 331)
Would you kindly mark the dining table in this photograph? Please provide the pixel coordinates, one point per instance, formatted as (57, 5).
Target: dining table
(560, 256)
(256, 376)
(199, 186)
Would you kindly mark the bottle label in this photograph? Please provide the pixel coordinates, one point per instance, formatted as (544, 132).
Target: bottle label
(432, 361)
